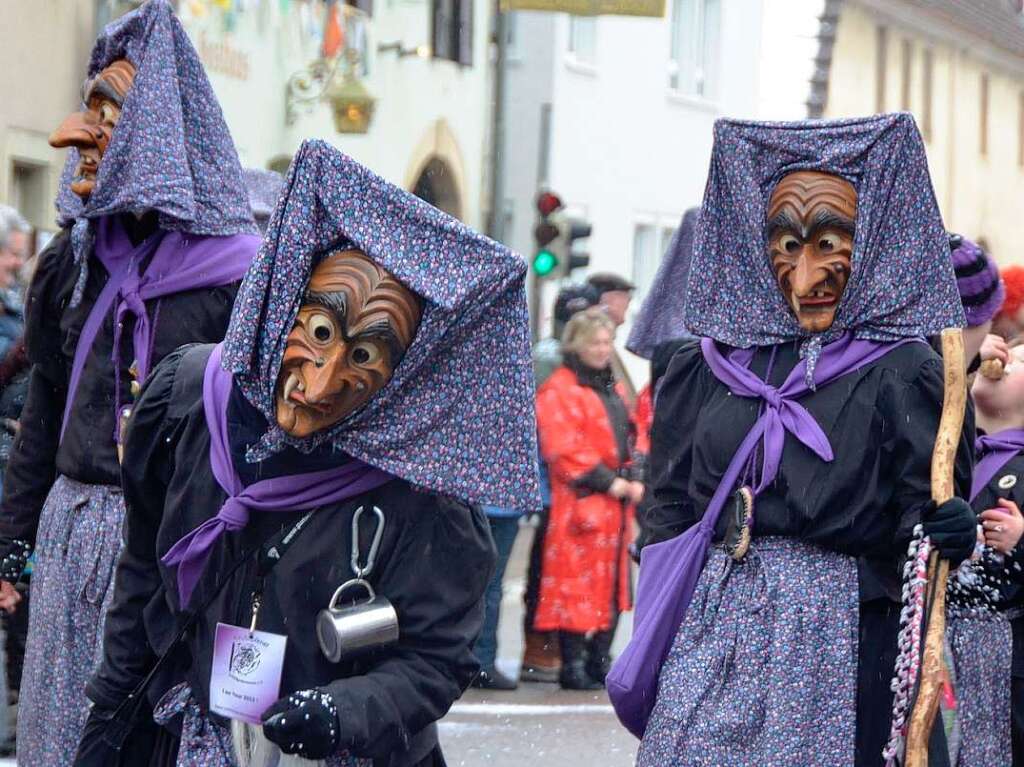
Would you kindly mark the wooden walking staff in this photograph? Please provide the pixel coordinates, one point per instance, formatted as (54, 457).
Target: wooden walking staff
(932, 674)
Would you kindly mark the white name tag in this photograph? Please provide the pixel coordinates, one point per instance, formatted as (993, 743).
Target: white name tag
(246, 674)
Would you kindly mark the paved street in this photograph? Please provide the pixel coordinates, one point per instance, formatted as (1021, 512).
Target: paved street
(538, 723)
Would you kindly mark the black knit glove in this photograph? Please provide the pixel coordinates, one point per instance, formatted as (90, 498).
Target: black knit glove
(304, 723)
(14, 554)
(953, 529)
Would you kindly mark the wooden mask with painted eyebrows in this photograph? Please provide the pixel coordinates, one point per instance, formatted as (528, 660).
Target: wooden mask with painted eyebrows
(91, 129)
(355, 323)
(811, 219)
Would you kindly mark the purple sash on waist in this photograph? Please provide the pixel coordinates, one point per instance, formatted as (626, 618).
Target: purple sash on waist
(294, 492)
(180, 262)
(669, 570)
(994, 451)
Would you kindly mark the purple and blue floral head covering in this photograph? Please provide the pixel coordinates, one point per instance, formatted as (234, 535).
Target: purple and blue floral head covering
(902, 283)
(264, 187)
(457, 417)
(171, 151)
(661, 316)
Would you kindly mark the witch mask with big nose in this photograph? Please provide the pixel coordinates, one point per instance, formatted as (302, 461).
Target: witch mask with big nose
(811, 217)
(354, 325)
(91, 129)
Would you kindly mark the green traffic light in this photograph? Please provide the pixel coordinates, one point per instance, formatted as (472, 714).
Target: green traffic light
(544, 263)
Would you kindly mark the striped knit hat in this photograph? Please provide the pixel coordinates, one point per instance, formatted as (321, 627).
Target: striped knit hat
(977, 279)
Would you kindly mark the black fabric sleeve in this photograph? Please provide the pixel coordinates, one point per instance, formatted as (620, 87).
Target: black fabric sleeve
(146, 471)
(916, 408)
(436, 579)
(31, 470)
(670, 511)
(599, 479)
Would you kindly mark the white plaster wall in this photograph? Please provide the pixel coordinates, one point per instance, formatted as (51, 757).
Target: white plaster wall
(789, 44)
(413, 94)
(43, 60)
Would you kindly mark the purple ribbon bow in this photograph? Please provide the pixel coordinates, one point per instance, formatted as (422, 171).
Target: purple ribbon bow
(669, 570)
(180, 262)
(295, 492)
(994, 451)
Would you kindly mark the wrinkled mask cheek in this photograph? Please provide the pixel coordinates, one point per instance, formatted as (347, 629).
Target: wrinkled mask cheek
(350, 387)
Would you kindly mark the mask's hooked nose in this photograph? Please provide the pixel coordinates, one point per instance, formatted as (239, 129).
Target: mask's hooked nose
(77, 130)
(807, 274)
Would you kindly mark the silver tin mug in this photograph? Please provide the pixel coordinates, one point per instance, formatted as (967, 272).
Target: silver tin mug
(347, 630)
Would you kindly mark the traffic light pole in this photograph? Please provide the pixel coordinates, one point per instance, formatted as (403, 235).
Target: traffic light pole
(535, 289)
(495, 219)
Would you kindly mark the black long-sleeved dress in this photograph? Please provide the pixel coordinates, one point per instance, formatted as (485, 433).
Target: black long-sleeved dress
(434, 563)
(881, 421)
(88, 452)
(1014, 592)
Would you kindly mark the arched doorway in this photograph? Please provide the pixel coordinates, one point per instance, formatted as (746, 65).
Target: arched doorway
(437, 185)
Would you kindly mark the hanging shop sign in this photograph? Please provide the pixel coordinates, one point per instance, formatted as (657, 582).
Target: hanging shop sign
(651, 8)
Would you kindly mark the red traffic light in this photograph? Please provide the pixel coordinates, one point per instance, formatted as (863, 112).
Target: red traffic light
(548, 203)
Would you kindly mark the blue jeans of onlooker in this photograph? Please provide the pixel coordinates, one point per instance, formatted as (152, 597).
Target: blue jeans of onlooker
(503, 530)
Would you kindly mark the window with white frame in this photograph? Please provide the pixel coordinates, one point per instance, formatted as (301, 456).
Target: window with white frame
(645, 258)
(693, 66)
(583, 38)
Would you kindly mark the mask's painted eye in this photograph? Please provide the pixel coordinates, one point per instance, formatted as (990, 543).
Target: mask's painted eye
(789, 244)
(365, 353)
(828, 243)
(109, 113)
(321, 328)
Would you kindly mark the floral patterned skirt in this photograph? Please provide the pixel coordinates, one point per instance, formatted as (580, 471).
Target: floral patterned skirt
(982, 645)
(763, 670)
(77, 547)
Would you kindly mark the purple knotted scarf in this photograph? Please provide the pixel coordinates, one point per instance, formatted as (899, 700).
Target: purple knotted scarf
(994, 452)
(180, 262)
(669, 570)
(295, 492)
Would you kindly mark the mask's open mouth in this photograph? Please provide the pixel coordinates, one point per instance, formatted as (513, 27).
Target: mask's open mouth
(818, 301)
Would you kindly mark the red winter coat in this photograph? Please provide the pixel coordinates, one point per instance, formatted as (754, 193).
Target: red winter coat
(585, 554)
(644, 419)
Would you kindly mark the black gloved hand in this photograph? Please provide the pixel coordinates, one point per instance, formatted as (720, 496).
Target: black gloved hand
(303, 723)
(953, 529)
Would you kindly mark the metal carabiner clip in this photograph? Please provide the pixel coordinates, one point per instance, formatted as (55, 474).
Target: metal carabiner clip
(361, 571)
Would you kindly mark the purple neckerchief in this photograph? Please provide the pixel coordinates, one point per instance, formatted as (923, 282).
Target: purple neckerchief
(780, 413)
(180, 262)
(294, 492)
(669, 570)
(994, 451)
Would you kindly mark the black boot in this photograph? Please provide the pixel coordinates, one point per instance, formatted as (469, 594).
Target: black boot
(574, 674)
(599, 659)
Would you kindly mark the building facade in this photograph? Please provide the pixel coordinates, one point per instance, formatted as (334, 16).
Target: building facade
(958, 66)
(43, 58)
(411, 78)
(615, 114)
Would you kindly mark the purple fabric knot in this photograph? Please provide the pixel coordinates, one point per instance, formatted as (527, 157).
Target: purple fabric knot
(295, 492)
(771, 396)
(780, 414)
(994, 451)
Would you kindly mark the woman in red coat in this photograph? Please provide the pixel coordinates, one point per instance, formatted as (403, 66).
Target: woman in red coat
(586, 435)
